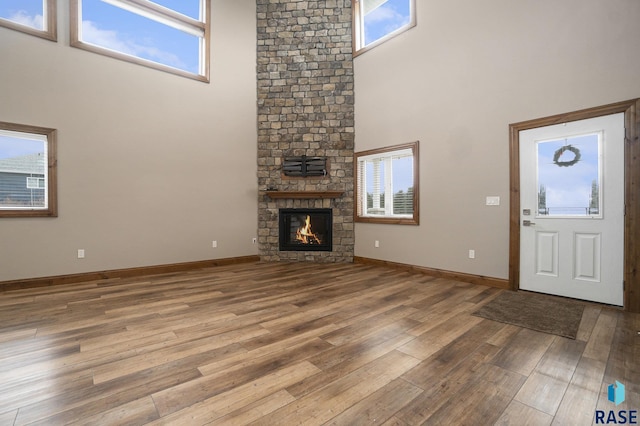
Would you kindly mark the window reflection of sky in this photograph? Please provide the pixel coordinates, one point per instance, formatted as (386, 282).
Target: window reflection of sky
(25, 12)
(11, 147)
(114, 28)
(120, 30)
(386, 18)
(402, 171)
(568, 189)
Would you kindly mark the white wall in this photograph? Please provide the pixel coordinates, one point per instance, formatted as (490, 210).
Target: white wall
(152, 167)
(455, 82)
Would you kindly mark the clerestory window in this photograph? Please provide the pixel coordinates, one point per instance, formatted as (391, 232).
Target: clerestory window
(375, 21)
(387, 185)
(169, 35)
(35, 17)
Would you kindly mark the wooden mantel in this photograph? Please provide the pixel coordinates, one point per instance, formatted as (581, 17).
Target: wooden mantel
(304, 194)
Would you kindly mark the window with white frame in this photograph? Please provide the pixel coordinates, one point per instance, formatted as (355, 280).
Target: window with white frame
(35, 17)
(375, 21)
(35, 182)
(387, 185)
(169, 35)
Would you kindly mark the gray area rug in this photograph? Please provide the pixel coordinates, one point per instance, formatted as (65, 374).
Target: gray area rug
(534, 311)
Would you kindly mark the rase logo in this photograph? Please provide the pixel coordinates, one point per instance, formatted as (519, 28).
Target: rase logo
(615, 394)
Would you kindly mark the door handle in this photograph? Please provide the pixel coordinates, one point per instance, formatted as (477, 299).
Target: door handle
(527, 223)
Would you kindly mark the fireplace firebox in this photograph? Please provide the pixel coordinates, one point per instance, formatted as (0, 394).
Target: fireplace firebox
(306, 229)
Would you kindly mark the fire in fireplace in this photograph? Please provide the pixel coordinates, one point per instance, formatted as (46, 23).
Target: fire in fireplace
(305, 229)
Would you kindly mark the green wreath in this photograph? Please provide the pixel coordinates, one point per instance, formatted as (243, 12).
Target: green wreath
(560, 151)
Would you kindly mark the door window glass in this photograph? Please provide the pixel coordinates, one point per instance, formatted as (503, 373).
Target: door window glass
(569, 176)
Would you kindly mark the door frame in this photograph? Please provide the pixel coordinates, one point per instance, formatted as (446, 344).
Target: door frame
(631, 110)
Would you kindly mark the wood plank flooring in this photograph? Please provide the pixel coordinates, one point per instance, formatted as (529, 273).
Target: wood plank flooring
(281, 344)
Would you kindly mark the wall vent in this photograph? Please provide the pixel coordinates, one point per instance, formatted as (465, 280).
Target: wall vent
(305, 166)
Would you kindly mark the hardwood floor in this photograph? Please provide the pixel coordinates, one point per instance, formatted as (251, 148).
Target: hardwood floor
(280, 344)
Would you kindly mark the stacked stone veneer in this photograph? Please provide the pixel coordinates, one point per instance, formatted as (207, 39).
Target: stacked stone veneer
(305, 107)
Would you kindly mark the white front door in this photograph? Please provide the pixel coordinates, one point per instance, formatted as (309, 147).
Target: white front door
(572, 209)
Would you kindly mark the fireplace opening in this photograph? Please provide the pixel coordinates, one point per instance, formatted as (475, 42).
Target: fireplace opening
(305, 229)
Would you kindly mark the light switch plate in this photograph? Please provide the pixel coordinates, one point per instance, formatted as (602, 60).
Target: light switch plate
(493, 201)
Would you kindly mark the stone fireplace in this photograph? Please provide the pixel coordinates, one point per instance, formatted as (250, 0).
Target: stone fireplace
(305, 111)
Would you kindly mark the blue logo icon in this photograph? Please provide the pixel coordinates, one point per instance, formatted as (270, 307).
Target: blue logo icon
(616, 393)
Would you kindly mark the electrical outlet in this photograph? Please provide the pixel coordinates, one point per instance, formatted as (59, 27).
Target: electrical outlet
(80, 253)
(472, 254)
(376, 244)
(214, 244)
(255, 240)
